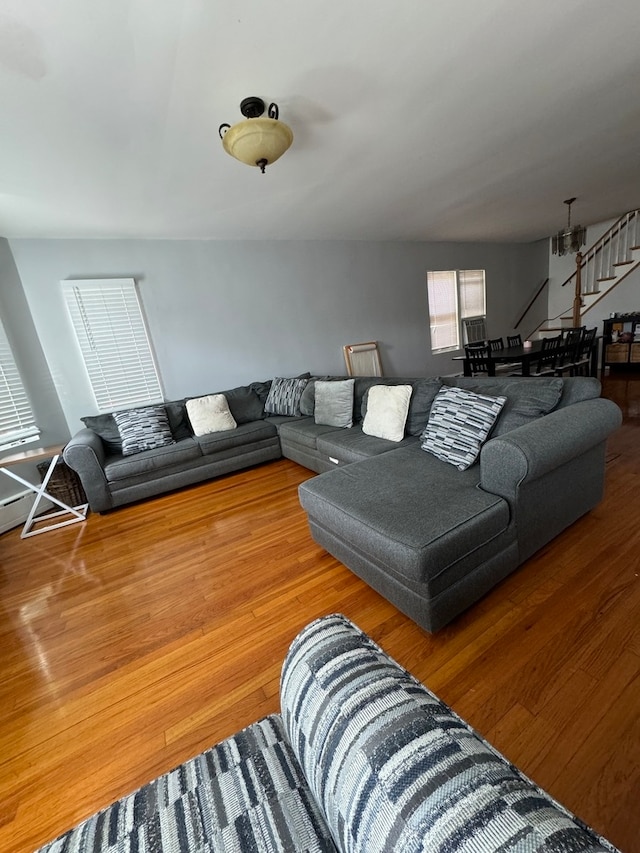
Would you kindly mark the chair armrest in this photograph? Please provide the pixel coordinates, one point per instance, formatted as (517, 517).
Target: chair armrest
(85, 453)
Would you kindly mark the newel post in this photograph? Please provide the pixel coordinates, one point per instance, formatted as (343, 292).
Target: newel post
(577, 299)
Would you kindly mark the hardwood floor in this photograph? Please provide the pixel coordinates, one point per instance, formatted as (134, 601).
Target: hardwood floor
(140, 638)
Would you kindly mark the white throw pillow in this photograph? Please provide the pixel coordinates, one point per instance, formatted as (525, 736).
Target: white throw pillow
(387, 408)
(210, 414)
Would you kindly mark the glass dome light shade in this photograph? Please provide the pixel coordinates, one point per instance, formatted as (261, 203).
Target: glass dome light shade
(257, 139)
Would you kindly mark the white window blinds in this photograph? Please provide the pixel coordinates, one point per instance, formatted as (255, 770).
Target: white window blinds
(443, 309)
(113, 340)
(16, 418)
(453, 295)
(471, 293)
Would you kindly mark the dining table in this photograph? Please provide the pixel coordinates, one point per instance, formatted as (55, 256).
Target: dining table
(522, 355)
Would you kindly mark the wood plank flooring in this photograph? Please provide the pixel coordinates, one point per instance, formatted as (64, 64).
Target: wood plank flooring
(135, 641)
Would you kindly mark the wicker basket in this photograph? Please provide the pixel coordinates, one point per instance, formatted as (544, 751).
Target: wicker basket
(635, 353)
(617, 353)
(64, 483)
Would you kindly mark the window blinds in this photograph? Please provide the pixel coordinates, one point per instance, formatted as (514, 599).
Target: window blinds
(453, 295)
(16, 418)
(443, 309)
(113, 340)
(472, 303)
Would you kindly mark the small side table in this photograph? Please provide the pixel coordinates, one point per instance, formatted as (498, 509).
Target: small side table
(78, 513)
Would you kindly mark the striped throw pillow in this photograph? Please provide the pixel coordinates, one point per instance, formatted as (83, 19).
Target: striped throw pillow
(143, 429)
(459, 424)
(284, 396)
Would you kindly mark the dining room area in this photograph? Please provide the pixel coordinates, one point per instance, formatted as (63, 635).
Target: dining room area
(570, 352)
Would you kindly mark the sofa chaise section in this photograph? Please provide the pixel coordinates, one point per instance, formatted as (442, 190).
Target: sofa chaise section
(433, 539)
(421, 533)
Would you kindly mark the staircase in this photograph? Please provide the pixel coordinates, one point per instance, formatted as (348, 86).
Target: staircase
(604, 265)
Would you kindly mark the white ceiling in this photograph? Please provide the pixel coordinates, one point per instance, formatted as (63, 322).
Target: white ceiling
(413, 120)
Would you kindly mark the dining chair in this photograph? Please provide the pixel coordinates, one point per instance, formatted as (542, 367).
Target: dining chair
(545, 364)
(582, 364)
(497, 345)
(514, 340)
(570, 352)
(479, 359)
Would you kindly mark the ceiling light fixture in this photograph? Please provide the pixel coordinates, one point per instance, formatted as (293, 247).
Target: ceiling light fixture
(257, 141)
(569, 240)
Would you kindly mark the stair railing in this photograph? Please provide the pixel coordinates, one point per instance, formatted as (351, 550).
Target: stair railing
(611, 250)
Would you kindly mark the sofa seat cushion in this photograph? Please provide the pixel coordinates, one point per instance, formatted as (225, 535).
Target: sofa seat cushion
(150, 461)
(243, 434)
(410, 511)
(305, 431)
(353, 445)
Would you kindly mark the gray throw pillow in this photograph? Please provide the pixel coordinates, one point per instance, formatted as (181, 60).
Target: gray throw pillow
(308, 399)
(284, 396)
(261, 389)
(244, 404)
(178, 419)
(143, 429)
(424, 393)
(459, 423)
(106, 427)
(334, 403)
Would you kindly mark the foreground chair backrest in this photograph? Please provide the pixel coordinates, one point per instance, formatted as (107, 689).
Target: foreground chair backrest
(363, 759)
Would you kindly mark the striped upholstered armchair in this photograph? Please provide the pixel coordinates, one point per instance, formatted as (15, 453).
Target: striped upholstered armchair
(363, 759)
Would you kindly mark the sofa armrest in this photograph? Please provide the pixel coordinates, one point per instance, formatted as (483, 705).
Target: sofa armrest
(85, 453)
(544, 445)
(550, 471)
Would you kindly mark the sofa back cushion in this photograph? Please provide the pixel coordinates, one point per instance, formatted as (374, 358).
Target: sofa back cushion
(393, 768)
(575, 389)
(527, 398)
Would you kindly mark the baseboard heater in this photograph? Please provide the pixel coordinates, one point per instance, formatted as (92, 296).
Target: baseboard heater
(14, 509)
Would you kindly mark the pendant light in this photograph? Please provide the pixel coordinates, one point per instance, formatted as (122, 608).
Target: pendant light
(256, 141)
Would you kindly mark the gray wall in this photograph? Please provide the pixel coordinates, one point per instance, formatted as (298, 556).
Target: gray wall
(226, 313)
(22, 335)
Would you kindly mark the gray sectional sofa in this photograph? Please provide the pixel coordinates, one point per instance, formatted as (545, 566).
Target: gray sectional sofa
(111, 480)
(430, 538)
(362, 759)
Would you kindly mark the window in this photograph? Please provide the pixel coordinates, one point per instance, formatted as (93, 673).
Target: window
(114, 343)
(453, 295)
(16, 418)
